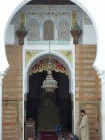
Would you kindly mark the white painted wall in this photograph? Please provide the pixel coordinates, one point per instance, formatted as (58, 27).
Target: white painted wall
(10, 35)
(89, 35)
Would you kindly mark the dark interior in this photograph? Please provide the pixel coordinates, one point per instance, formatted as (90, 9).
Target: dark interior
(52, 2)
(61, 98)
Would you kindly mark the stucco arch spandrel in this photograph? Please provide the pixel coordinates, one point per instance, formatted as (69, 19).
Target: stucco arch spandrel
(30, 54)
(45, 54)
(67, 54)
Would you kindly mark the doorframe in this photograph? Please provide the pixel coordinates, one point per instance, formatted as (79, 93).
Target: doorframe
(62, 59)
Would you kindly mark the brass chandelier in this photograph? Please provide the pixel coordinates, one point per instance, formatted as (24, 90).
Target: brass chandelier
(49, 84)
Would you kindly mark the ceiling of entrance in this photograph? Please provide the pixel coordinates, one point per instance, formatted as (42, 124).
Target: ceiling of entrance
(54, 2)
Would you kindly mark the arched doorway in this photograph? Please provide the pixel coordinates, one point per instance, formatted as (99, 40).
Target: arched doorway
(40, 104)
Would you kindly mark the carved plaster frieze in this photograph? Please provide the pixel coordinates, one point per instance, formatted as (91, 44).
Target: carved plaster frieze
(53, 8)
(43, 66)
(31, 54)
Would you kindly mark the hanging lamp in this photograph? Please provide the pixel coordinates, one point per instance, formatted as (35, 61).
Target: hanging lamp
(49, 84)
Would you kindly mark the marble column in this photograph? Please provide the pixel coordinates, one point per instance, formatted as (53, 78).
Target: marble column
(102, 76)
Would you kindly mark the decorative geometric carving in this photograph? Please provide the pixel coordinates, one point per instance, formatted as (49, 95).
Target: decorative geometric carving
(75, 30)
(29, 55)
(22, 18)
(67, 54)
(41, 14)
(63, 30)
(74, 19)
(48, 30)
(33, 27)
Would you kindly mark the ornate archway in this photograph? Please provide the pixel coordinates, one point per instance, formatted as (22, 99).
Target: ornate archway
(54, 55)
(39, 60)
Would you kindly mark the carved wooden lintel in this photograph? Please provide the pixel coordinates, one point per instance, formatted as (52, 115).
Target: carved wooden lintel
(75, 34)
(21, 33)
